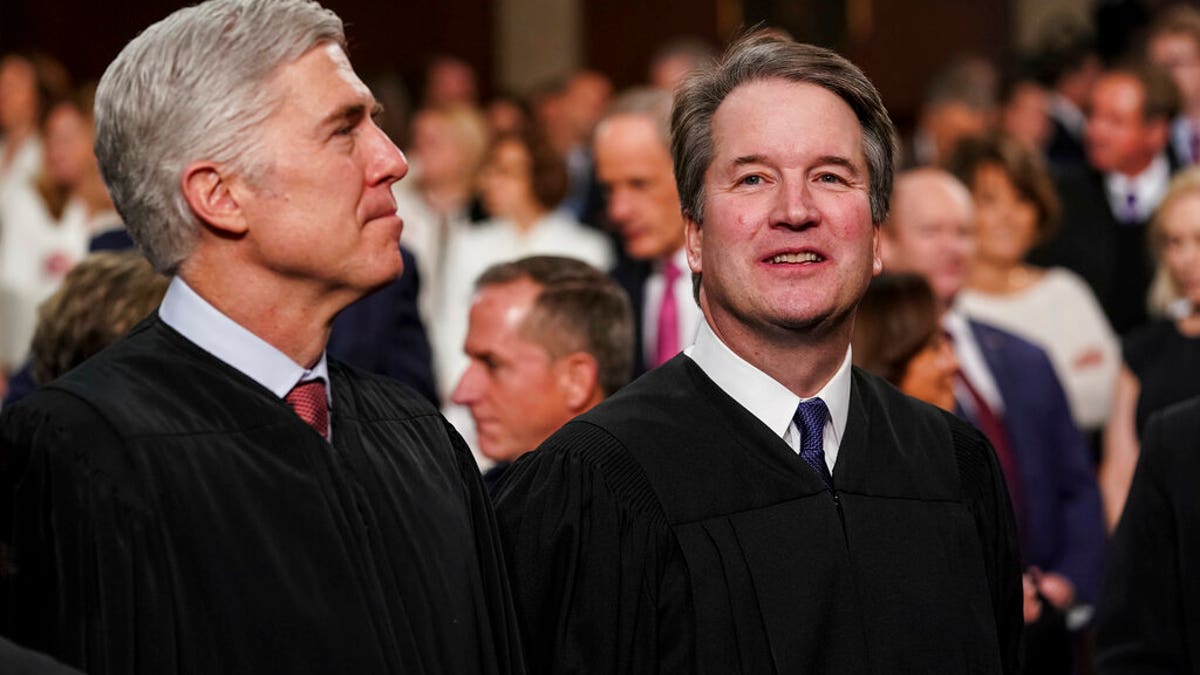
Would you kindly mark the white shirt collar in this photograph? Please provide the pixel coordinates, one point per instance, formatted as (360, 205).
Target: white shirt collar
(972, 363)
(767, 399)
(194, 318)
(1149, 187)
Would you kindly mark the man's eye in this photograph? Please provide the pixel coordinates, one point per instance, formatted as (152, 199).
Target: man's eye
(830, 178)
(752, 180)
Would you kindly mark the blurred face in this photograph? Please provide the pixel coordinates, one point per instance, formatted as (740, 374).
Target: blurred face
(506, 183)
(1180, 55)
(635, 169)
(930, 232)
(1181, 245)
(787, 243)
(322, 211)
(450, 81)
(930, 374)
(1005, 222)
(68, 145)
(18, 93)
(1024, 116)
(513, 387)
(952, 121)
(1119, 137)
(436, 145)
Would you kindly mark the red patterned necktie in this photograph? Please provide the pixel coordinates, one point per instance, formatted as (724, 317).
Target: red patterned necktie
(992, 427)
(308, 400)
(667, 344)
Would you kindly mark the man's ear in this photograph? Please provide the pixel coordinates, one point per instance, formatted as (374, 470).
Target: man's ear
(578, 380)
(693, 240)
(877, 251)
(209, 192)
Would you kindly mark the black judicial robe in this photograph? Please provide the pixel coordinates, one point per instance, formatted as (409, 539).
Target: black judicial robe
(668, 530)
(173, 516)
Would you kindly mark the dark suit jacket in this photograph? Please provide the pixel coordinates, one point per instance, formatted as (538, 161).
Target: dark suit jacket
(1114, 258)
(383, 334)
(1065, 530)
(632, 275)
(1149, 617)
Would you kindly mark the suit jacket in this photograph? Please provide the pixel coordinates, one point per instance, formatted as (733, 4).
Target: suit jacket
(1149, 617)
(632, 275)
(383, 334)
(1113, 257)
(1065, 530)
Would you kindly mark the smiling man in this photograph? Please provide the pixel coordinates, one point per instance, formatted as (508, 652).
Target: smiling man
(212, 494)
(757, 504)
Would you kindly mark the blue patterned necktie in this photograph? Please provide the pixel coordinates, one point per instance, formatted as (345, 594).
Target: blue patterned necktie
(810, 420)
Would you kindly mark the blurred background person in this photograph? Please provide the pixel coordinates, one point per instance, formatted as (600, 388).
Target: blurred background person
(100, 300)
(1015, 208)
(1069, 67)
(507, 114)
(1174, 44)
(1007, 387)
(959, 101)
(1024, 109)
(450, 80)
(436, 198)
(548, 338)
(1161, 359)
(45, 226)
(1106, 204)
(633, 163)
(29, 83)
(522, 182)
(675, 60)
(898, 336)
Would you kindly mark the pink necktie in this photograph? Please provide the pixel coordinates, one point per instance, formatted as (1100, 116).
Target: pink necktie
(308, 400)
(668, 316)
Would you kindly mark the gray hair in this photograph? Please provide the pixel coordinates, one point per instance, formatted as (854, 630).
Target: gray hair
(652, 103)
(192, 87)
(763, 55)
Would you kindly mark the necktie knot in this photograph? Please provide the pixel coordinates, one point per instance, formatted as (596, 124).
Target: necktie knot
(810, 419)
(308, 400)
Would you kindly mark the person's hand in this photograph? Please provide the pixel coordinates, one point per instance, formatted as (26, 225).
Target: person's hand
(1032, 603)
(1055, 588)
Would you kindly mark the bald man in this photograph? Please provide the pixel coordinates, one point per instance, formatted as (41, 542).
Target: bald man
(1007, 387)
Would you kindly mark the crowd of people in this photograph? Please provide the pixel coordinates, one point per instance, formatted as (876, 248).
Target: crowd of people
(662, 291)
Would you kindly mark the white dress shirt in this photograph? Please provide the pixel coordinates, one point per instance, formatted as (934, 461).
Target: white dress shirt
(768, 400)
(688, 312)
(1149, 187)
(195, 319)
(971, 363)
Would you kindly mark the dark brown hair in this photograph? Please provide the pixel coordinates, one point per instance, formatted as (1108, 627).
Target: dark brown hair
(896, 319)
(1022, 166)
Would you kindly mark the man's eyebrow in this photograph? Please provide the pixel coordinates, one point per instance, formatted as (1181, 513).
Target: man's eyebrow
(747, 159)
(838, 160)
(351, 112)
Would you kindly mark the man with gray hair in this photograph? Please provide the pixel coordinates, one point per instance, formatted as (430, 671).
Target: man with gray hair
(632, 146)
(212, 494)
(756, 504)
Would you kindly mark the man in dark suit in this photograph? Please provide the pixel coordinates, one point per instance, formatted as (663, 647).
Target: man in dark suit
(1107, 203)
(757, 504)
(633, 163)
(212, 494)
(1068, 66)
(1149, 617)
(1009, 390)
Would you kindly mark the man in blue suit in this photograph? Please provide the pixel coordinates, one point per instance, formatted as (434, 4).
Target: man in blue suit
(1009, 390)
